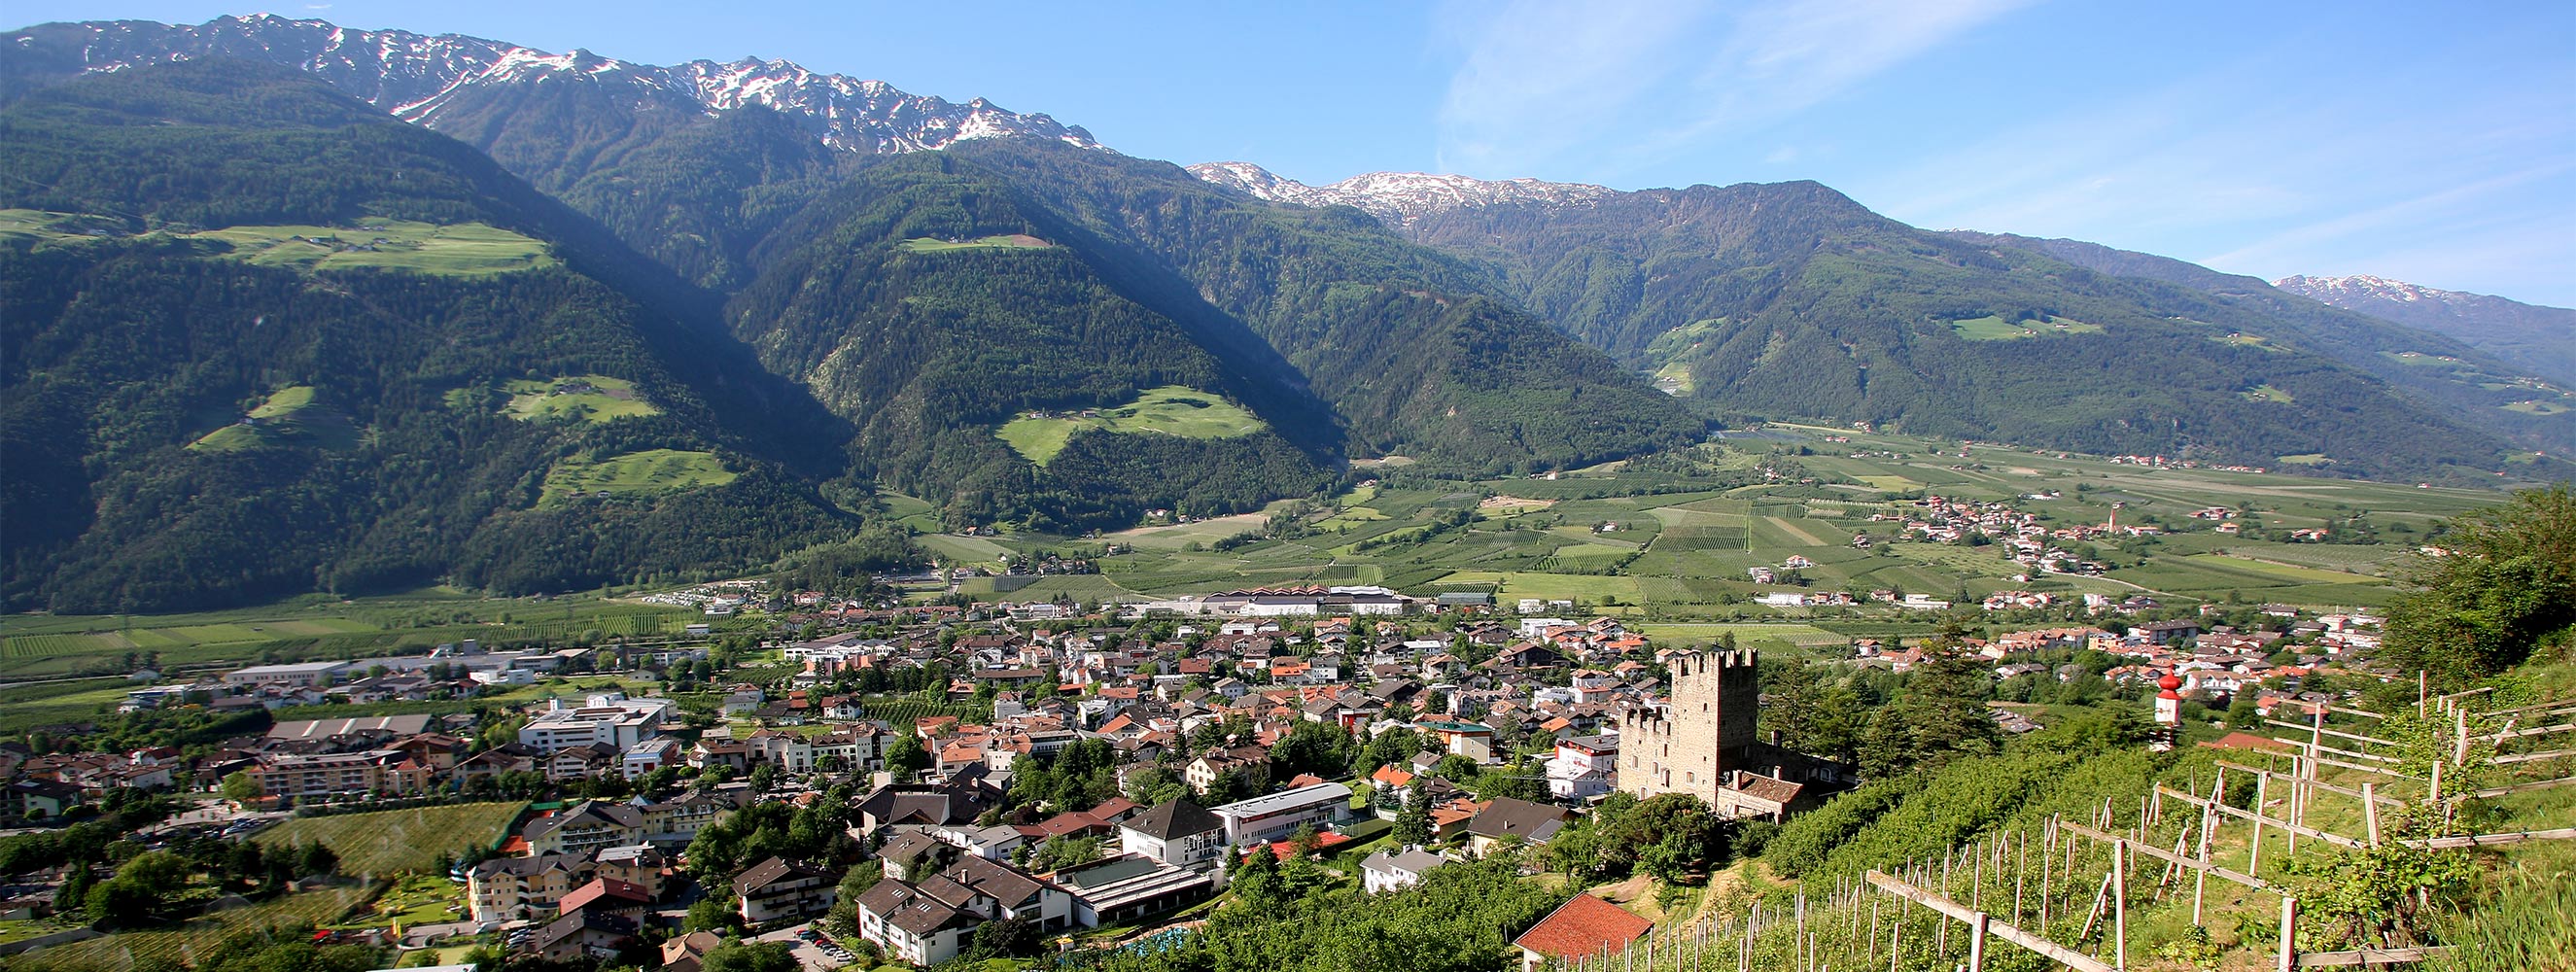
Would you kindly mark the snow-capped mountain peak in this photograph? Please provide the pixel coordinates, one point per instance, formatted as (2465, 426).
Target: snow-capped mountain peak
(2362, 286)
(1399, 197)
(424, 78)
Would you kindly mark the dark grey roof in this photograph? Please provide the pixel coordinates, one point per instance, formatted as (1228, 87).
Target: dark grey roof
(1174, 819)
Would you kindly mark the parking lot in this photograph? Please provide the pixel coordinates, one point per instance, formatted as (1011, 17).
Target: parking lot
(813, 949)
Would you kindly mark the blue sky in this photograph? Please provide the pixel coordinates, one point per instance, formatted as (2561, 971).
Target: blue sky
(2434, 143)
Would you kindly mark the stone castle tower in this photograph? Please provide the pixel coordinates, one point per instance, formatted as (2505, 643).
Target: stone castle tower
(1693, 744)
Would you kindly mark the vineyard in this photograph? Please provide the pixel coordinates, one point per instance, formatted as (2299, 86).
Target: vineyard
(2350, 845)
(903, 712)
(199, 938)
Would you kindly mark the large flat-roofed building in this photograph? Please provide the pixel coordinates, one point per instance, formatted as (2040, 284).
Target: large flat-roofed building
(399, 725)
(305, 674)
(615, 720)
(1267, 818)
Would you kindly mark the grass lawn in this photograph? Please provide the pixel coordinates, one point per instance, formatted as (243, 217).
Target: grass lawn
(649, 471)
(391, 842)
(421, 899)
(464, 249)
(595, 399)
(1170, 410)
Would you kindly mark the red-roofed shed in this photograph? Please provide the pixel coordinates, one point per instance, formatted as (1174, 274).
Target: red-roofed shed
(1582, 926)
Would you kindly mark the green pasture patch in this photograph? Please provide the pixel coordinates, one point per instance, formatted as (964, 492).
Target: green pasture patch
(462, 249)
(1511, 586)
(2537, 407)
(648, 472)
(1017, 241)
(972, 551)
(32, 225)
(1773, 531)
(2250, 341)
(1796, 634)
(288, 417)
(2307, 459)
(2266, 393)
(2290, 572)
(1178, 535)
(1993, 327)
(1170, 410)
(596, 399)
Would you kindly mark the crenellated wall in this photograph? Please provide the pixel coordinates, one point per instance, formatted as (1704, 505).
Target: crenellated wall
(1682, 748)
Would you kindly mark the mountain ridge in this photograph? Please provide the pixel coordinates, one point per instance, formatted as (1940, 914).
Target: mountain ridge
(1404, 197)
(426, 78)
(2536, 336)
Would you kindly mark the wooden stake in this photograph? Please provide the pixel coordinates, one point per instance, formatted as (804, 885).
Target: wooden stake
(2020, 870)
(2254, 857)
(2288, 955)
(2120, 906)
(2370, 811)
(1977, 943)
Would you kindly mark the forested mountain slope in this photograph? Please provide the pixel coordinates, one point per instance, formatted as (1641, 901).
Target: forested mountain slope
(932, 298)
(1790, 301)
(261, 339)
(2510, 379)
(2530, 336)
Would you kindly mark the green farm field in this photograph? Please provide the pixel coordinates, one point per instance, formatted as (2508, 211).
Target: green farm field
(463, 249)
(199, 939)
(1993, 328)
(50, 646)
(581, 398)
(925, 244)
(1168, 410)
(1683, 546)
(635, 473)
(389, 843)
(289, 416)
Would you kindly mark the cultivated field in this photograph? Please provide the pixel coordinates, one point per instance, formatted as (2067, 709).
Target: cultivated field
(1660, 546)
(579, 398)
(288, 416)
(49, 646)
(649, 471)
(1169, 410)
(1993, 328)
(925, 244)
(393, 842)
(464, 249)
(197, 940)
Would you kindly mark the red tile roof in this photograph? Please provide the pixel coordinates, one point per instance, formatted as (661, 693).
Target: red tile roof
(1584, 926)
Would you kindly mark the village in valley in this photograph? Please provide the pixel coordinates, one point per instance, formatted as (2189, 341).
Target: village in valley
(1096, 745)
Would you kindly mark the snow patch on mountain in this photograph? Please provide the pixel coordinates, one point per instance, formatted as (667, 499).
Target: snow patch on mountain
(419, 77)
(1399, 197)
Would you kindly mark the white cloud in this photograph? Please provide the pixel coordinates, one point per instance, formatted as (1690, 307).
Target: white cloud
(1638, 81)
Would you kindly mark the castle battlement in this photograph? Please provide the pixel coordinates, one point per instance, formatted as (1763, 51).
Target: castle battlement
(1683, 746)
